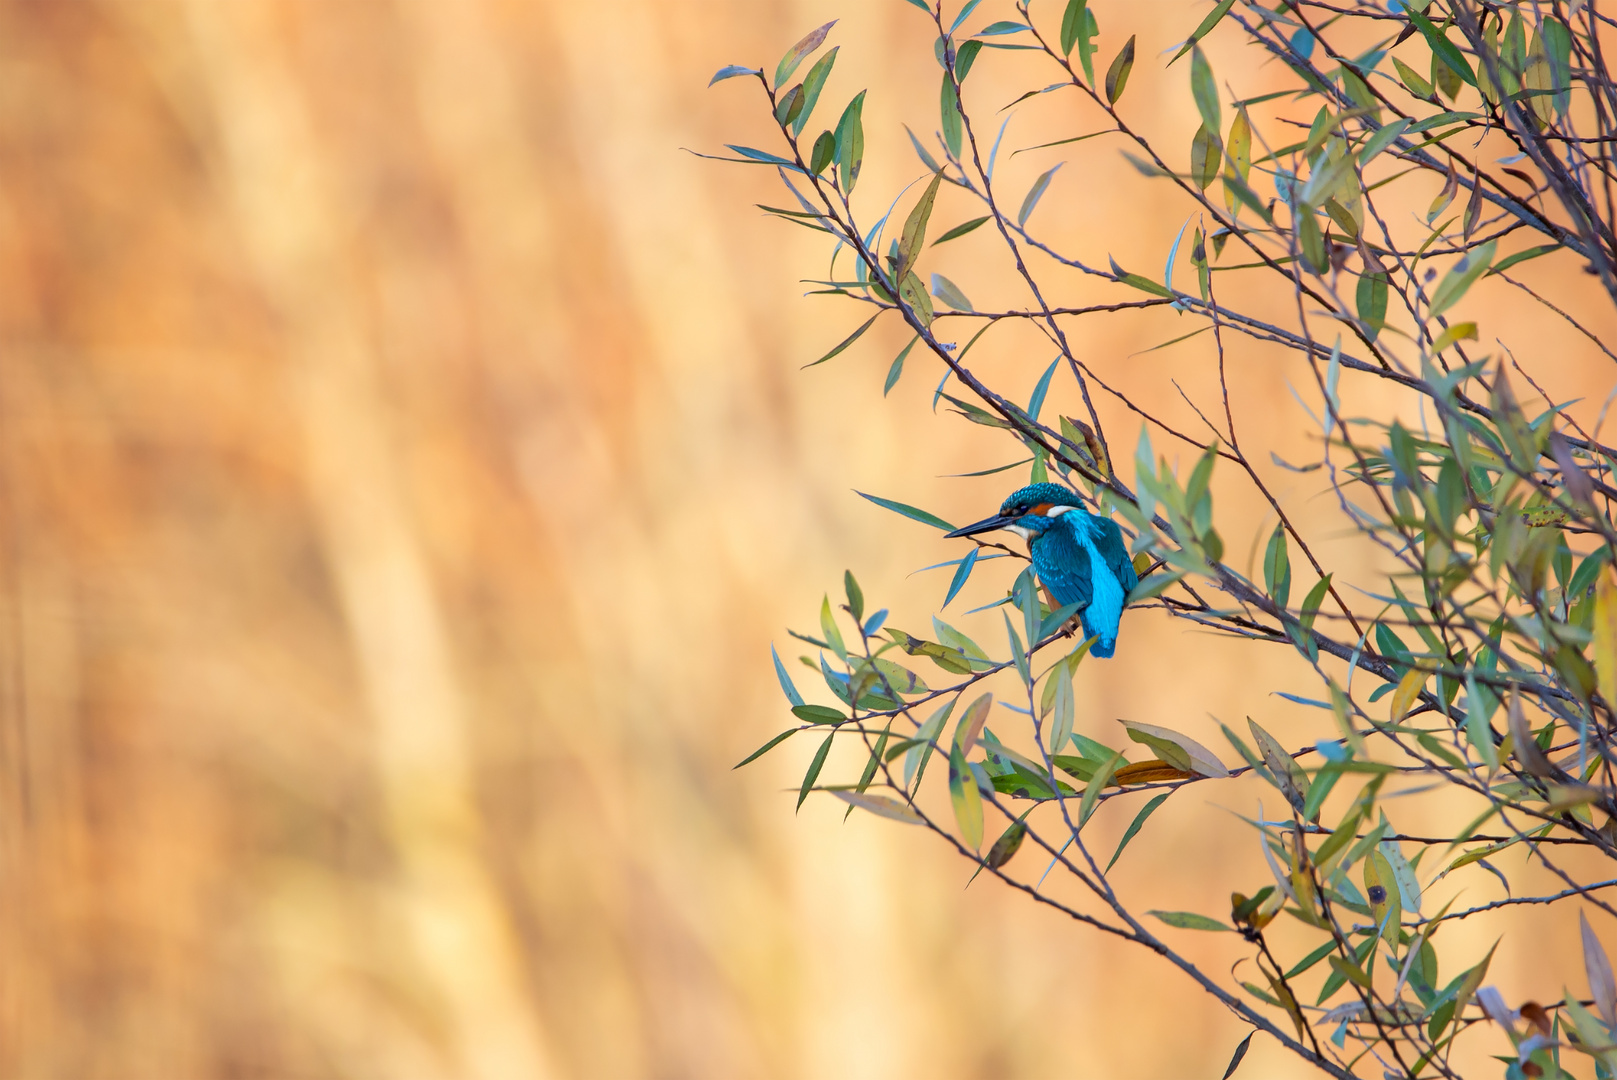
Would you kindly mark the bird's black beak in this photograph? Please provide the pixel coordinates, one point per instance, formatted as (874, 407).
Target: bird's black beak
(998, 521)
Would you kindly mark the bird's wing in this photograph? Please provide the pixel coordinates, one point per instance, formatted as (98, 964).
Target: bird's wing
(1063, 566)
(1115, 553)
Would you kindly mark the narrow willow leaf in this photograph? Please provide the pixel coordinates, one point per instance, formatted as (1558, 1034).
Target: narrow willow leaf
(1465, 331)
(971, 723)
(913, 293)
(960, 230)
(1134, 827)
(1461, 276)
(819, 714)
(922, 750)
(909, 246)
(1204, 89)
(814, 768)
(1605, 636)
(1035, 403)
(1180, 751)
(766, 748)
(1601, 985)
(849, 340)
(1381, 889)
(1412, 80)
(966, 799)
(961, 574)
(813, 83)
(824, 152)
(1383, 137)
(909, 511)
(1371, 296)
(1204, 28)
(949, 111)
(1096, 785)
(1035, 193)
(851, 142)
(786, 684)
(730, 71)
(948, 292)
(828, 627)
(1117, 76)
(1006, 847)
(1277, 568)
(1206, 156)
(797, 53)
(1240, 145)
(1072, 22)
(1522, 256)
(1063, 707)
(1442, 48)
(1240, 1052)
(881, 805)
(1403, 698)
(1189, 920)
(894, 372)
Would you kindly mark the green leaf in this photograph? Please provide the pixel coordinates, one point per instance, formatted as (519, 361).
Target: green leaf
(730, 71)
(1206, 155)
(881, 805)
(1461, 276)
(1063, 708)
(1004, 26)
(1417, 85)
(1442, 47)
(1277, 567)
(849, 340)
(813, 83)
(1522, 256)
(960, 230)
(915, 227)
(814, 768)
(766, 748)
(1311, 959)
(897, 369)
(1371, 297)
(1204, 89)
(948, 292)
(819, 714)
(949, 111)
(1240, 1052)
(1189, 920)
(796, 54)
(966, 799)
(966, 55)
(909, 511)
(1035, 404)
(1072, 22)
(1204, 29)
(1117, 76)
(1134, 827)
(856, 596)
(1034, 194)
(1380, 140)
(1006, 846)
(962, 572)
(1311, 602)
(824, 152)
(851, 142)
(1096, 785)
(1243, 193)
(828, 627)
(1139, 281)
(786, 685)
(921, 752)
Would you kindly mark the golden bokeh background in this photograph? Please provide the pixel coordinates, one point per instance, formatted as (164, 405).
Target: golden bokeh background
(406, 468)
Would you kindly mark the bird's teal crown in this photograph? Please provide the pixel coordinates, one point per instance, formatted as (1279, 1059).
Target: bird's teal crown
(1021, 500)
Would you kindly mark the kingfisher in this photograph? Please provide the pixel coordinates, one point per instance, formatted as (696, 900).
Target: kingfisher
(1080, 557)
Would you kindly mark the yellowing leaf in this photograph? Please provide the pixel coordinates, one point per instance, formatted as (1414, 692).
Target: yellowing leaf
(1381, 889)
(1605, 636)
(880, 805)
(971, 723)
(1403, 698)
(1465, 331)
(1602, 987)
(1149, 772)
(966, 799)
(1179, 751)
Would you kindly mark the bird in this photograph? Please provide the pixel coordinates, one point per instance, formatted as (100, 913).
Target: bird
(1080, 557)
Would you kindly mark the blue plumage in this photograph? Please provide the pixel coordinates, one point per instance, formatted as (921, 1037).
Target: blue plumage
(1080, 558)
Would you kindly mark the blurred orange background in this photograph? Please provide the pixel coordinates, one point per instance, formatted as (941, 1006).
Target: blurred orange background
(406, 468)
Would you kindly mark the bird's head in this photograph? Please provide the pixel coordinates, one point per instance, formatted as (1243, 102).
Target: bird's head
(1027, 512)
